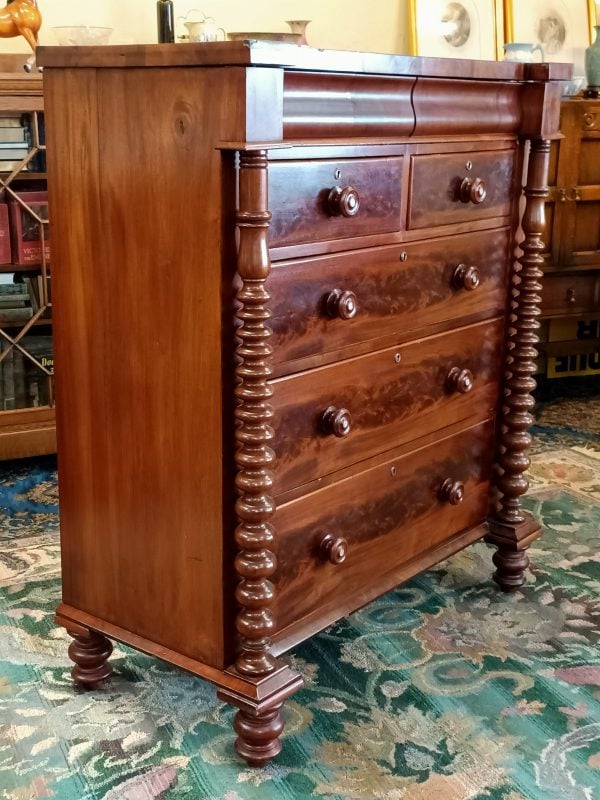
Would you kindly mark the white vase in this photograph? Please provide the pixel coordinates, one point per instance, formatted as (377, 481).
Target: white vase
(299, 26)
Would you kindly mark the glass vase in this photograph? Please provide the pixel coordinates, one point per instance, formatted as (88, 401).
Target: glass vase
(592, 66)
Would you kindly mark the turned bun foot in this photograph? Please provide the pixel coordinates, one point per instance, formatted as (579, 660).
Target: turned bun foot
(510, 569)
(258, 736)
(90, 652)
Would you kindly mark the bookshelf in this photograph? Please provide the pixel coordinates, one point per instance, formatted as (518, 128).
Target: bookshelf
(27, 420)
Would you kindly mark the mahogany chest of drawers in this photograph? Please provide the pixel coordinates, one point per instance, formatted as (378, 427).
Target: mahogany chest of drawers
(294, 349)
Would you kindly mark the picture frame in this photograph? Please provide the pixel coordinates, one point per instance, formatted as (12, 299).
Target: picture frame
(564, 28)
(456, 28)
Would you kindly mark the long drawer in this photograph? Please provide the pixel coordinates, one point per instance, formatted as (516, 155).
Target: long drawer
(333, 199)
(460, 187)
(336, 547)
(328, 418)
(322, 304)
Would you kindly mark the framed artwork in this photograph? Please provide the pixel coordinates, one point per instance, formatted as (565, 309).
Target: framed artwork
(562, 27)
(456, 28)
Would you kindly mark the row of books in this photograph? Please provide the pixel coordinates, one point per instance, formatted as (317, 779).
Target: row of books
(20, 228)
(23, 384)
(15, 304)
(20, 301)
(17, 138)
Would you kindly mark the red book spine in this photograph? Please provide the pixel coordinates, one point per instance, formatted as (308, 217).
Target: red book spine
(5, 249)
(25, 231)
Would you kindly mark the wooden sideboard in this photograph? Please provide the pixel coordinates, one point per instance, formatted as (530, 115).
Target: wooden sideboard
(285, 276)
(572, 237)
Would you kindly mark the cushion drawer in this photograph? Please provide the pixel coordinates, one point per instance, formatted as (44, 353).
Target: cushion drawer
(460, 187)
(570, 294)
(307, 204)
(381, 291)
(387, 515)
(329, 418)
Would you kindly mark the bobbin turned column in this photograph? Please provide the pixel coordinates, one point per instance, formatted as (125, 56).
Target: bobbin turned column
(512, 529)
(259, 721)
(90, 651)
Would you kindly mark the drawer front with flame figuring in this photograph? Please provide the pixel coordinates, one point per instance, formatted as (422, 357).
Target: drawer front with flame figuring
(314, 201)
(338, 546)
(325, 303)
(461, 187)
(329, 418)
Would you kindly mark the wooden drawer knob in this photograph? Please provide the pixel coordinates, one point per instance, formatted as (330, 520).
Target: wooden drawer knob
(333, 549)
(336, 421)
(452, 492)
(460, 380)
(344, 202)
(341, 304)
(571, 296)
(473, 190)
(466, 277)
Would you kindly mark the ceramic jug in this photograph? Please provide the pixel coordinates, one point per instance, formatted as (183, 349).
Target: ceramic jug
(522, 51)
(201, 28)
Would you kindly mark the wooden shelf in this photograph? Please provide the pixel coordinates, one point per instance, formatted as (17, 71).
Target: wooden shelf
(27, 432)
(21, 267)
(26, 176)
(553, 269)
(568, 348)
(37, 324)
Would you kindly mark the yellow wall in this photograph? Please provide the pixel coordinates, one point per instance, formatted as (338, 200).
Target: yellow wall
(376, 25)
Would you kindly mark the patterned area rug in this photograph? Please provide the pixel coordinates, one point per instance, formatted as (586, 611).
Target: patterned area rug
(573, 404)
(444, 689)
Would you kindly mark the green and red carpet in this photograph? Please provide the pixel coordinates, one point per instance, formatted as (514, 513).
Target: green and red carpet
(444, 689)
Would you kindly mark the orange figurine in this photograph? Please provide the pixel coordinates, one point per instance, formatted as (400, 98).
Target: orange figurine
(22, 18)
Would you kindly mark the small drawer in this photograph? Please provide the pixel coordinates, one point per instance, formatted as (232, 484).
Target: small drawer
(329, 418)
(338, 546)
(570, 294)
(333, 199)
(460, 187)
(322, 304)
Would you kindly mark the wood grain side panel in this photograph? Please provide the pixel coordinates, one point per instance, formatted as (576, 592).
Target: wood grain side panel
(136, 279)
(388, 515)
(392, 396)
(401, 288)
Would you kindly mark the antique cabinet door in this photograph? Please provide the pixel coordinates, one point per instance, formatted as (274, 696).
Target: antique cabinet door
(580, 233)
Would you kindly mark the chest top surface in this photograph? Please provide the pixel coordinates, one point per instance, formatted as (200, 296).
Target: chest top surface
(295, 57)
